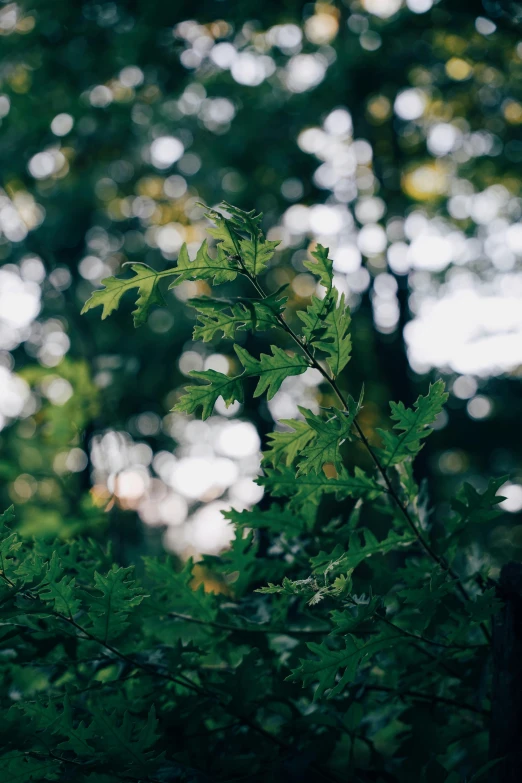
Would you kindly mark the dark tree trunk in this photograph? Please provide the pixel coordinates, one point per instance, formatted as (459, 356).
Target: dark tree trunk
(506, 722)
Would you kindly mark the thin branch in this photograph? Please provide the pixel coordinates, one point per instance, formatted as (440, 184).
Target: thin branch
(421, 638)
(255, 629)
(364, 440)
(429, 697)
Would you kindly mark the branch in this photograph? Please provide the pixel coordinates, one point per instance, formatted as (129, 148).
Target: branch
(364, 440)
(429, 697)
(242, 629)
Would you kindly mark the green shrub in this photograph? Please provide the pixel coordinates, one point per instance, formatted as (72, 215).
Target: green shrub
(352, 640)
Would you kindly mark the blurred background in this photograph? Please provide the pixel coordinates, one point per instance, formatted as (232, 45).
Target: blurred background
(388, 130)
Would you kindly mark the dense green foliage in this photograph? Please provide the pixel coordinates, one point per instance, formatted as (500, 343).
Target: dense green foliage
(351, 635)
(386, 130)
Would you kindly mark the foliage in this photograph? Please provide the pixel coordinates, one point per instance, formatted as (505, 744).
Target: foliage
(350, 636)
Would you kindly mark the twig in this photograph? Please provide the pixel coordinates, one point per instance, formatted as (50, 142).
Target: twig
(255, 629)
(429, 697)
(366, 443)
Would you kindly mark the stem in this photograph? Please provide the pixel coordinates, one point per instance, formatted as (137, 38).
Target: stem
(364, 440)
(240, 629)
(429, 697)
(420, 638)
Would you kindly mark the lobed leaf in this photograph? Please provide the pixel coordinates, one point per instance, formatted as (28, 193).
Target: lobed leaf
(324, 668)
(310, 489)
(115, 597)
(414, 424)
(254, 251)
(285, 445)
(145, 279)
(222, 269)
(271, 369)
(59, 589)
(363, 544)
(327, 437)
(205, 397)
(275, 519)
(322, 267)
(335, 339)
(227, 315)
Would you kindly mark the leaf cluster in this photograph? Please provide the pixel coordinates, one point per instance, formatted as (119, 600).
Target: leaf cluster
(346, 621)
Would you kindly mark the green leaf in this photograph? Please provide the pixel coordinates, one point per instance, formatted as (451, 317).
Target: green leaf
(310, 488)
(32, 566)
(414, 424)
(318, 310)
(9, 542)
(322, 267)
(352, 617)
(324, 668)
(335, 339)
(16, 767)
(59, 589)
(223, 232)
(218, 385)
(146, 280)
(46, 717)
(271, 369)
(220, 270)
(314, 315)
(285, 445)
(227, 315)
(483, 607)
(174, 589)
(363, 544)
(275, 519)
(128, 742)
(328, 435)
(239, 561)
(256, 252)
(304, 588)
(9, 547)
(327, 321)
(115, 597)
(7, 517)
(476, 507)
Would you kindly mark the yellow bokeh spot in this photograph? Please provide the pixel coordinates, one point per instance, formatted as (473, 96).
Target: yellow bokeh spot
(115, 209)
(219, 29)
(379, 108)
(100, 495)
(121, 94)
(425, 182)
(322, 27)
(150, 186)
(455, 44)
(512, 111)
(458, 69)
(25, 25)
(20, 80)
